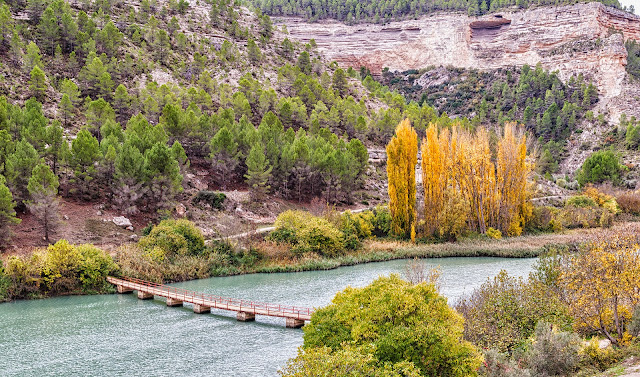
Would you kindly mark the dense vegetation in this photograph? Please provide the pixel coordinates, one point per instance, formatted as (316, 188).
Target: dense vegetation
(532, 327)
(394, 327)
(380, 11)
(464, 189)
(122, 105)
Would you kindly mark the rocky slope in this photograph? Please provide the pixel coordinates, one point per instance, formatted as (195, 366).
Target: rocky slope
(583, 38)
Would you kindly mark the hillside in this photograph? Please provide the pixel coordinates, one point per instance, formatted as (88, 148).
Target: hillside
(131, 109)
(214, 112)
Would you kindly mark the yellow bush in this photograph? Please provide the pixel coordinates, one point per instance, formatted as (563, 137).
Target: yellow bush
(494, 233)
(600, 358)
(308, 233)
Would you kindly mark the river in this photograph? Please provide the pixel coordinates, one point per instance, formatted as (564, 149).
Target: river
(119, 335)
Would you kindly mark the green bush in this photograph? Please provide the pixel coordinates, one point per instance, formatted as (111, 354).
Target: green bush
(356, 227)
(601, 166)
(4, 284)
(62, 268)
(634, 328)
(503, 312)
(308, 233)
(581, 201)
(381, 221)
(175, 237)
(395, 321)
(554, 353)
(214, 199)
(94, 266)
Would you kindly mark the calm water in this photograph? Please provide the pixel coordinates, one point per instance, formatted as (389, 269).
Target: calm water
(119, 335)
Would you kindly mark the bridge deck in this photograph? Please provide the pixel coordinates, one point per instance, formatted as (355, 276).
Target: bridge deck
(215, 302)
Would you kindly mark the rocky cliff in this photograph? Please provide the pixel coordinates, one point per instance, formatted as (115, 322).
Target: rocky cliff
(583, 38)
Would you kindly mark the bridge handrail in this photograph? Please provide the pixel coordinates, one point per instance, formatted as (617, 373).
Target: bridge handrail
(219, 299)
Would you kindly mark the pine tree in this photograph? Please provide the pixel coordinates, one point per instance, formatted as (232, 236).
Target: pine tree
(49, 30)
(56, 147)
(162, 176)
(224, 155)
(43, 188)
(402, 156)
(18, 169)
(122, 104)
(130, 177)
(85, 153)
(340, 82)
(7, 214)
(33, 58)
(304, 62)
(70, 88)
(37, 83)
(253, 51)
(258, 172)
(66, 109)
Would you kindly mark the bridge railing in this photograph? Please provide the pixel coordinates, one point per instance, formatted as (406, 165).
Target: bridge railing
(186, 295)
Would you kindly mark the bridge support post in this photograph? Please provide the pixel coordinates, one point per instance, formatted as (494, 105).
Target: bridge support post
(200, 309)
(293, 323)
(145, 295)
(123, 289)
(246, 317)
(173, 302)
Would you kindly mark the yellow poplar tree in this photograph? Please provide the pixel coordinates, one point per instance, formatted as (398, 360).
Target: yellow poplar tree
(402, 157)
(463, 186)
(435, 156)
(513, 169)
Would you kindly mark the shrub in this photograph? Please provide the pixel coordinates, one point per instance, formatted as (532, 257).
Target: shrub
(603, 200)
(356, 227)
(600, 167)
(554, 353)
(213, 199)
(629, 202)
(62, 268)
(498, 364)
(4, 284)
(503, 312)
(381, 221)
(175, 237)
(395, 321)
(543, 219)
(494, 233)
(94, 266)
(599, 358)
(581, 201)
(308, 233)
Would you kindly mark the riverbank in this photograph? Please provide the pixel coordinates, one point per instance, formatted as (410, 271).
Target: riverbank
(381, 250)
(22, 277)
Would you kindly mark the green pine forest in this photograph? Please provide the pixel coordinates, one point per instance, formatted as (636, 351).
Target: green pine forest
(380, 11)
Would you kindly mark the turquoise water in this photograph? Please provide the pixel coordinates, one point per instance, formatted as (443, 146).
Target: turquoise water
(119, 335)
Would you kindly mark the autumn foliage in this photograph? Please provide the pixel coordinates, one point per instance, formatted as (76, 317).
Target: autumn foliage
(402, 156)
(468, 181)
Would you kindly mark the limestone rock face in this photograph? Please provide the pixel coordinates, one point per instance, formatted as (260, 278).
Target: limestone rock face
(572, 39)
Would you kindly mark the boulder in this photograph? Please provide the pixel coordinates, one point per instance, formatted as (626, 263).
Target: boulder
(122, 221)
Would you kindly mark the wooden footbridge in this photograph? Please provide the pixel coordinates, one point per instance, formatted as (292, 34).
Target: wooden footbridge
(203, 303)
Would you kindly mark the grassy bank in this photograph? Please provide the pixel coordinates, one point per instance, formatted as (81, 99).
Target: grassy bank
(381, 250)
